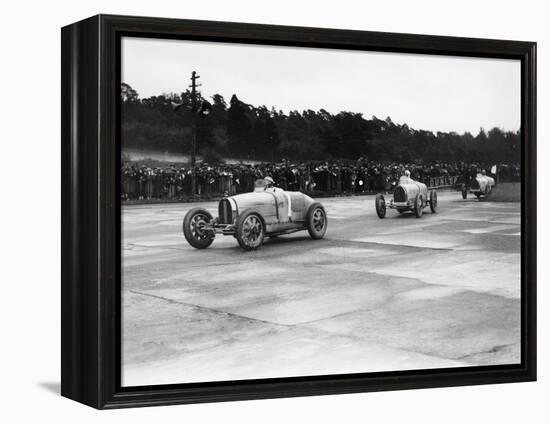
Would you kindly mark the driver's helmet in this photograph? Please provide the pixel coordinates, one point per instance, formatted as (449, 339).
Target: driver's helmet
(407, 173)
(269, 182)
(483, 172)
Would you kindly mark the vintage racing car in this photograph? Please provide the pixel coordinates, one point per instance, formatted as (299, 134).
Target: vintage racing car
(250, 217)
(409, 195)
(481, 185)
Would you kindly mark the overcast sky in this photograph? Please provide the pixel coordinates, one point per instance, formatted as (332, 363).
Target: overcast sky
(437, 93)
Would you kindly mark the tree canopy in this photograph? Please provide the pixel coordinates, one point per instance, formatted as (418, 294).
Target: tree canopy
(240, 130)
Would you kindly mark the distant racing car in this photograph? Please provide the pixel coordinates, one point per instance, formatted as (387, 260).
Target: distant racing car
(481, 185)
(250, 217)
(409, 195)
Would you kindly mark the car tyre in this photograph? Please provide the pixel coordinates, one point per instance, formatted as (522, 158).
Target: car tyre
(464, 192)
(316, 219)
(433, 201)
(418, 206)
(250, 230)
(380, 204)
(193, 224)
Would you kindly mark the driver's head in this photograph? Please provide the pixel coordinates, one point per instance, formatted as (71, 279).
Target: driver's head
(407, 173)
(269, 182)
(483, 172)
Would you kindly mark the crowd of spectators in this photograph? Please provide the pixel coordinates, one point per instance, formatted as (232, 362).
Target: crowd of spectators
(140, 182)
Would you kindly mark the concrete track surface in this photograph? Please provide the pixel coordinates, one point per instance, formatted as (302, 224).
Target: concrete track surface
(374, 295)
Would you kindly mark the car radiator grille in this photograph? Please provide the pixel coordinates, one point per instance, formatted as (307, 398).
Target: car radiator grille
(399, 195)
(225, 213)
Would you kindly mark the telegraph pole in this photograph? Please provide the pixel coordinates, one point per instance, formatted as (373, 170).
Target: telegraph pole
(203, 109)
(193, 86)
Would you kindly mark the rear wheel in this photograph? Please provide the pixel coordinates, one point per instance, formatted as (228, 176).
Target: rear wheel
(250, 230)
(418, 207)
(464, 192)
(433, 201)
(316, 219)
(193, 228)
(380, 204)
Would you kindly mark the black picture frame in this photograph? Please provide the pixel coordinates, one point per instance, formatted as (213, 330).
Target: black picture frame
(90, 286)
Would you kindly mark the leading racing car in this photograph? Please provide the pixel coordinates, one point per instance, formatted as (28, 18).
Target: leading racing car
(250, 217)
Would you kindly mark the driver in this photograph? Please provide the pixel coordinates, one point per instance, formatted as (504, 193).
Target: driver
(406, 178)
(269, 182)
(270, 185)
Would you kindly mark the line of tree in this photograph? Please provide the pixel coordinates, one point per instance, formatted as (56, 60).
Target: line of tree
(241, 130)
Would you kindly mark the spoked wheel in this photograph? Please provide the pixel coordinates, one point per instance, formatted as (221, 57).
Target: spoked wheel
(418, 207)
(316, 219)
(433, 201)
(380, 204)
(250, 230)
(464, 192)
(193, 228)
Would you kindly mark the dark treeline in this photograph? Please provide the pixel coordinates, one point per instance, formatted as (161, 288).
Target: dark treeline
(239, 130)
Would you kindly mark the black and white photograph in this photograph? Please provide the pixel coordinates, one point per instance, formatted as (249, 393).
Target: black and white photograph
(297, 211)
(244, 212)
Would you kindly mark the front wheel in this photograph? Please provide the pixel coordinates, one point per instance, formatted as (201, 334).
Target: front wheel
(464, 192)
(250, 230)
(433, 201)
(316, 219)
(193, 228)
(380, 204)
(418, 207)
